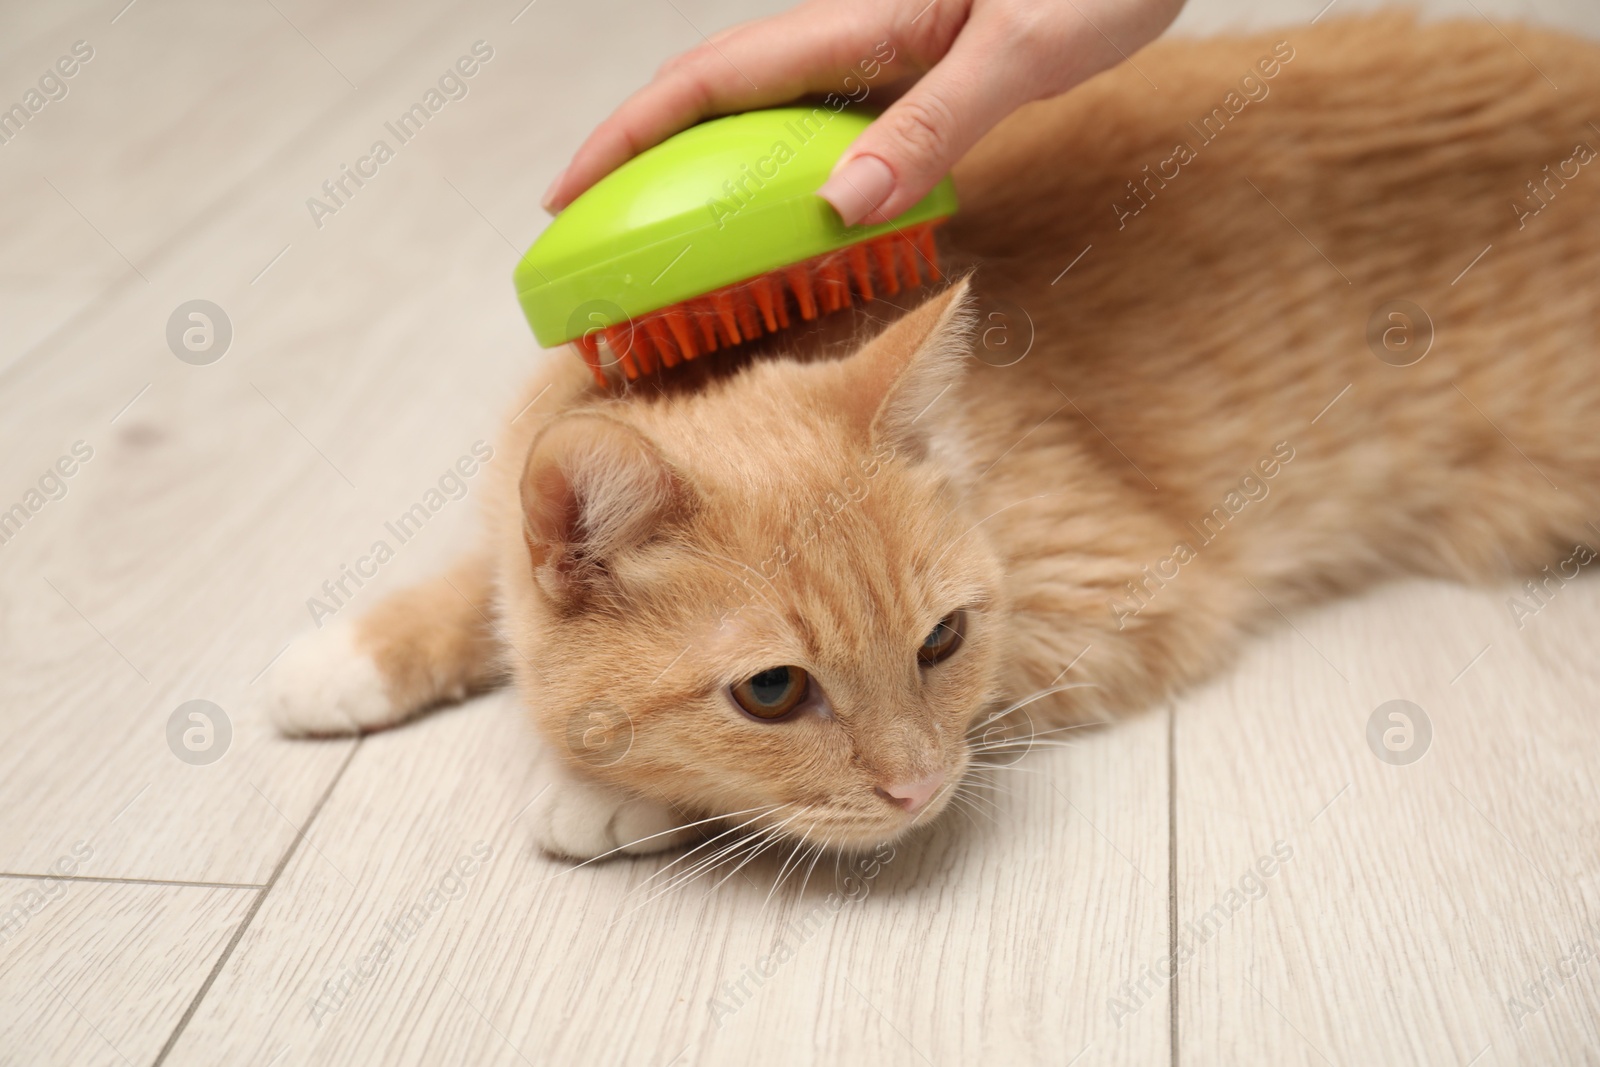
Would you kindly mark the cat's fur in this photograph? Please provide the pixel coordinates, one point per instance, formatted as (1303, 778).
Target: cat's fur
(1201, 377)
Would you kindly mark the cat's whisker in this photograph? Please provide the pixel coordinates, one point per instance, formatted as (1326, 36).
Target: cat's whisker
(1074, 726)
(991, 791)
(753, 847)
(983, 781)
(716, 859)
(1102, 723)
(791, 865)
(684, 879)
(777, 880)
(1025, 744)
(977, 782)
(783, 872)
(722, 855)
(774, 836)
(968, 791)
(650, 837)
(1020, 748)
(975, 800)
(755, 843)
(1029, 699)
(967, 807)
(959, 805)
(709, 841)
(820, 848)
(933, 801)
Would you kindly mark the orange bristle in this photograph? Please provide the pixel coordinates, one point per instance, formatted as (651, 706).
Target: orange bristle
(744, 307)
(930, 254)
(679, 325)
(722, 300)
(908, 258)
(782, 304)
(619, 339)
(705, 318)
(822, 281)
(761, 288)
(746, 310)
(644, 352)
(663, 344)
(883, 251)
(591, 355)
(836, 284)
(799, 279)
(860, 271)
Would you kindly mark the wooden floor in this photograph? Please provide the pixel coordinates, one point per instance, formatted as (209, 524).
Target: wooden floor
(378, 902)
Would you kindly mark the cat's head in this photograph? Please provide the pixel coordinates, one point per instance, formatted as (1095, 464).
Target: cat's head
(767, 598)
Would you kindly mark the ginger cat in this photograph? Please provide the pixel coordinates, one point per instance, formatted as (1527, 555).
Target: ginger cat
(797, 593)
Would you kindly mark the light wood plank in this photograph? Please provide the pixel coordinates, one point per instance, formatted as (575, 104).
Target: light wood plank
(166, 128)
(100, 972)
(988, 940)
(1420, 899)
(218, 503)
(180, 560)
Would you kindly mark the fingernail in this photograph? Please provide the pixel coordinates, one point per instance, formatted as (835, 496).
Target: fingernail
(857, 187)
(549, 203)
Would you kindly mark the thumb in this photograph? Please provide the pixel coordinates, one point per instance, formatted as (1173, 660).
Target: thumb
(913, 144)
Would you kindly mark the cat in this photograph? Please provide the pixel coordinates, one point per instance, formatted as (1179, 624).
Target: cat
(1319, 311)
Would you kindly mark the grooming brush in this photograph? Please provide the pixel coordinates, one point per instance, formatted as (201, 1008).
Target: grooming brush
(713, 238)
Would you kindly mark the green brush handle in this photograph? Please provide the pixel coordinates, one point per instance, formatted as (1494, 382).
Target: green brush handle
(716, 204)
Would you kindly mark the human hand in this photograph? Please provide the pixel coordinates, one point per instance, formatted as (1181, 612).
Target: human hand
(957, 67)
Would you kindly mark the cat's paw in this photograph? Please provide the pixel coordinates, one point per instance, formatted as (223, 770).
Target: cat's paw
(581, 819)
(325, 685)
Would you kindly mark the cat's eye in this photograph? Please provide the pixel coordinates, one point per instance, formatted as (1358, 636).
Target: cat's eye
(943, 639)
(772, 693)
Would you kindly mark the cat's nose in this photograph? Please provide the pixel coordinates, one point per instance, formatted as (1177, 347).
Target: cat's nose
(912, 795)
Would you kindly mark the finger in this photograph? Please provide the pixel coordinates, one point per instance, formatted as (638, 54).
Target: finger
(999, 62)
(913, 144)
(809, 49)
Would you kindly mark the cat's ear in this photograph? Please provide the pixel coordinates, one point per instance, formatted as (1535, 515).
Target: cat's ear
(592, 488)
(892, 384)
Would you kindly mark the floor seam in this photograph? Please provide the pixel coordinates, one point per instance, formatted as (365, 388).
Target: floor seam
(255, 906)
(1172, 877)
(132, 881)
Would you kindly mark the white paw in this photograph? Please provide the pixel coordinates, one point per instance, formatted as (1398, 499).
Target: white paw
(325, 685)
(581, 819)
